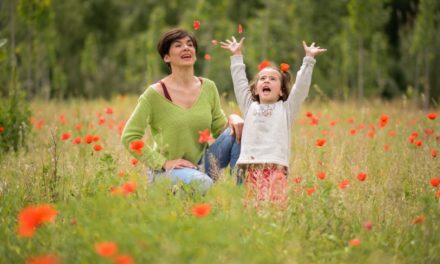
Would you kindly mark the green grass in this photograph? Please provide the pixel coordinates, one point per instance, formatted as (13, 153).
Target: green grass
(154, 226)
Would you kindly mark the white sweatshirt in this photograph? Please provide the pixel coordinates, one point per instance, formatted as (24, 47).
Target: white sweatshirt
(267, 127)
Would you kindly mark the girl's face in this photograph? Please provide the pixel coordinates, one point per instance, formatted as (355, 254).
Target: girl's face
(268, 87)
(182, 53)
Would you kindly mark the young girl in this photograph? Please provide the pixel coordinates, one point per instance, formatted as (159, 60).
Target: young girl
(269, 108)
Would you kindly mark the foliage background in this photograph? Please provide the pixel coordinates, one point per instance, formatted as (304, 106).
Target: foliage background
(90, 49)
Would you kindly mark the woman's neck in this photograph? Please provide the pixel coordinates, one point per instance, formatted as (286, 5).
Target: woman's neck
(183, 76)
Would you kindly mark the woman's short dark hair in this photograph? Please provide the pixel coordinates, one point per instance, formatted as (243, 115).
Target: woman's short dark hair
(164, 44)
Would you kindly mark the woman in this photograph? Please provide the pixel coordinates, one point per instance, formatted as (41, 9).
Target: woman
(177, 109)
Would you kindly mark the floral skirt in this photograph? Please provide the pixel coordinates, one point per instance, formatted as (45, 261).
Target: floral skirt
(266, 182)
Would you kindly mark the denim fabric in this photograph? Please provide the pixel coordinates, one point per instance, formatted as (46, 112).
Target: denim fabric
(223, 152)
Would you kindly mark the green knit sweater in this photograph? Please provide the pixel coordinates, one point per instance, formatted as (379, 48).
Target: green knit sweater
(174, 130)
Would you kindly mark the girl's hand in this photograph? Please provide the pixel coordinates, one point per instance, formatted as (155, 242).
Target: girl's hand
(311, 50)
(178, 164)
(232, 45)
(235, 123)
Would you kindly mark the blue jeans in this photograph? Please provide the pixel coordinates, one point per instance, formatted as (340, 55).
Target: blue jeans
(223, 152)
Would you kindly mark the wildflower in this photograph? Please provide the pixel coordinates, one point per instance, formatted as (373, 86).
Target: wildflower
(77, 127)
(284, 67)
(263, 64)
(418, 219)
(207, 57)
(137, 145)
(205, 136)
(32, 217)
(297, 180)
(310, 190)
(362, 176)
(432, 115)
(321, 175)
(344, 184)
(201, 210)
(62, 119)
(320, 142)
(96, 138)
(108, 110)
(88, 139)
(371, 133)
(77, 141)
(97, 147)
(314, 121)
(333, 123)
(354, 242)
(134, 161)
(121, 174)
(106, 249)
(433, 153)
(309, 114)
(123, 259)
(435, 182)
(101, 120)
(2, 129)
(386, 147)
(418, 143)
(392, 133)
(350, 120)
(129, 187)
(47, 259)
(353, 131)
(240, 29)
(438, 194)
(429, 132)
(65, 136)
(196, 24)
(368, 226)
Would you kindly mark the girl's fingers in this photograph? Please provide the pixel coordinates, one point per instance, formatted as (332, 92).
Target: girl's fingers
(233, 38)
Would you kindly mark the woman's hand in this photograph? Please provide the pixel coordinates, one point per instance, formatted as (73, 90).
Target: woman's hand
(311, 50)
(232, 45)
(235, 123)
(178, 164)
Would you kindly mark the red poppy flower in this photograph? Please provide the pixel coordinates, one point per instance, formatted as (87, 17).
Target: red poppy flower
(88, 139)
(32, 217)
(129, 187)
(438, 194)
(368, 225)
(435, 182)
(429, 132)
(97, 147)
(321, 175)
(123, 259)
(297, 179)
(196, 24)
(201, 210)
(77, 127)
(121, 174)
(353, 131)
(314, 121)
(371, 133)
(284, 67)
(310, 190)
(106, 249)
(240, 29)
(344, 184)
(354, 242)
(65, 136)
(62, 119)
(392, 133)
(418, 143)
(433, 153)
(432, 115)
(418, 219)
(207, 57)
(77, 141)
(309, 114)
(2, 129)
(137, 145)
(320, 142)
(96, 138)
(48, 259)
(350, 120)
(333, 123)
(362, 176)
(134, 161)
(205, 136)
(101, 120)
(263, 64)
(386, 147)
(108, 110)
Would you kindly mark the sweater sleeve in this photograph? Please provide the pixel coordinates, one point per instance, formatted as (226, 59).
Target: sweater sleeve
(300, 89)
(219, 119)
(241, 83)
(135, 130)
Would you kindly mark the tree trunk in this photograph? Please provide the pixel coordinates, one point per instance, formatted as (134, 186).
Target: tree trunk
(360, 69)
(426, 86)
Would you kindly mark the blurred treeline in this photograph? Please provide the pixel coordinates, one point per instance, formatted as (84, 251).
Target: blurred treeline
(99, 48)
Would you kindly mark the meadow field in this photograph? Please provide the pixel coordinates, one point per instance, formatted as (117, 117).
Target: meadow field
(364, 187)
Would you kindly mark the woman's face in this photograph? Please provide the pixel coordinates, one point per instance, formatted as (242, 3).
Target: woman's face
(182, 53)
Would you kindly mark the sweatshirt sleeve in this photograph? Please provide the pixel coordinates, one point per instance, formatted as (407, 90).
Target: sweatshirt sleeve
(135, 130)
(241, 83)
(300, 89)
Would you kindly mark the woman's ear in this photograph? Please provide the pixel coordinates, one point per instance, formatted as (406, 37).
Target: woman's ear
(166, 58)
